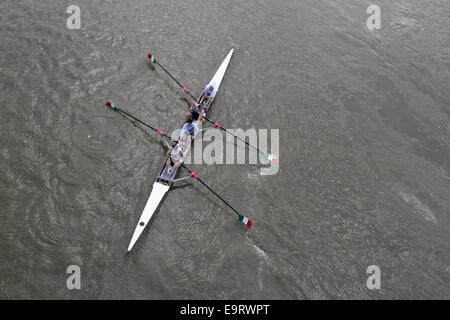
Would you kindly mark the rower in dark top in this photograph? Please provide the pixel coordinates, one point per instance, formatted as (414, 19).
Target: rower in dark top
(198, 111)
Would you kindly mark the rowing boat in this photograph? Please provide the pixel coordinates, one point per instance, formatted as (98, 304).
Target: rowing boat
(162, 185)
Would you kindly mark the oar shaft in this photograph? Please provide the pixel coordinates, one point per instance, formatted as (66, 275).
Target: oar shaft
(156, 130)
(227, 131)
(208, 187)
(178, 82)
(114, 107)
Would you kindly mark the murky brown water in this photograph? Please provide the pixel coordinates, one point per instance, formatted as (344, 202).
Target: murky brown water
(364, 146)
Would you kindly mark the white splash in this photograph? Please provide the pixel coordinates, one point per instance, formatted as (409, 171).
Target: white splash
(264, 260)
(420, 208)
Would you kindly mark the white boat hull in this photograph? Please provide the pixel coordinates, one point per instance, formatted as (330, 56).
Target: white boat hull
(161, 187)
(156, 196)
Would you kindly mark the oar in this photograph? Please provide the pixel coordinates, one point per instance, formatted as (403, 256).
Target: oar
(114, 107)
(242, 218)
(152, 59)
(266, 155)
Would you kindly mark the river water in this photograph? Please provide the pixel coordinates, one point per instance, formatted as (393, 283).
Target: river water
(364, 138)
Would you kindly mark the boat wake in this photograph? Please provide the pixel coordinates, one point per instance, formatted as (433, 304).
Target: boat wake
(264, 259)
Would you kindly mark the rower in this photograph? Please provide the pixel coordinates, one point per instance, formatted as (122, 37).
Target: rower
(198, 112)
(206, 95)
(189, 130)
(175, 155)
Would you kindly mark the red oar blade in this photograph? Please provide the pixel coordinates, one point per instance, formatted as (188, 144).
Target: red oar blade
(151, 58)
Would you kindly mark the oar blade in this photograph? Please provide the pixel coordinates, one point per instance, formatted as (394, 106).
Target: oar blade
(112, 105)
(270, 157)
(245, 220)
(151, 58)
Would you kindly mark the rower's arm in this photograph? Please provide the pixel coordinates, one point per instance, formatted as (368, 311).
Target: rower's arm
(200, 96)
